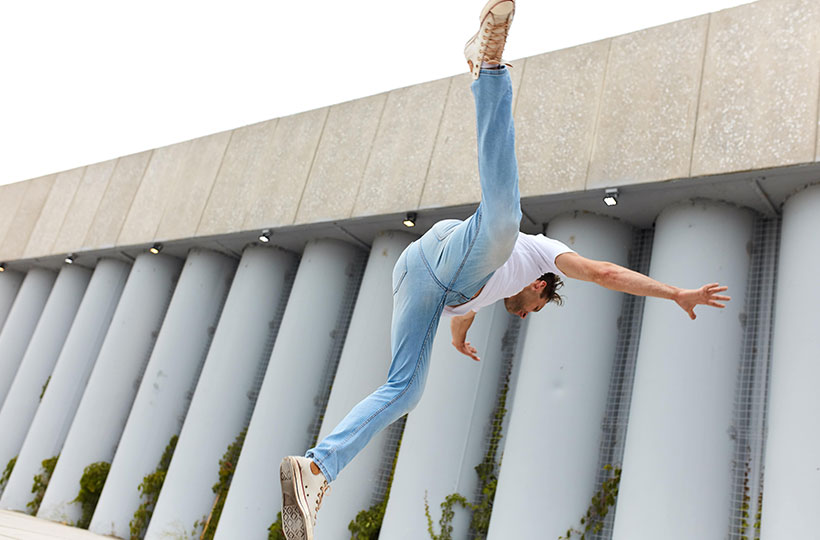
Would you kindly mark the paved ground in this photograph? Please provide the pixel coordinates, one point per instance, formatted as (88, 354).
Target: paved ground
(17, 526)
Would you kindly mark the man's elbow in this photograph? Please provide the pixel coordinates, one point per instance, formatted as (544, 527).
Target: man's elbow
(605, 273)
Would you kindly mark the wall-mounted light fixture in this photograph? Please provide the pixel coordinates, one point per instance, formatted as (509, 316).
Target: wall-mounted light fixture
(264, 236)
(69, 259)
(2, 267)
(155, 249)
(611, 196)
(410, 219)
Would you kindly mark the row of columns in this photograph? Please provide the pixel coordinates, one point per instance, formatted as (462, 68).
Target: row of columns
(141, 342)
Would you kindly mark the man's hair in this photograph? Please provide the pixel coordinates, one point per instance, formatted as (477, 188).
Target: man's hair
(550, 291)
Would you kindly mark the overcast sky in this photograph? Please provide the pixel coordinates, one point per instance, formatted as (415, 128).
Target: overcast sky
(85, 81)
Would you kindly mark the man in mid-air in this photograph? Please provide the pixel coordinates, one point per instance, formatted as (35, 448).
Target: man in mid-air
(455, 269)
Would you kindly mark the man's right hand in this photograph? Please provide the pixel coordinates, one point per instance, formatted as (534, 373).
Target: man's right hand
(458, 328)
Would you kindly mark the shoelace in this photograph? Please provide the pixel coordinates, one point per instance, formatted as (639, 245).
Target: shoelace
(319, 497)
(492, 42)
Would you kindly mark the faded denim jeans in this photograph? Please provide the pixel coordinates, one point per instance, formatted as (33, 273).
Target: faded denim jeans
(446, 266)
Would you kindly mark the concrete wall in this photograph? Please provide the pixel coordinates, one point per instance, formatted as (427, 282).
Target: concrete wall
(735, 90)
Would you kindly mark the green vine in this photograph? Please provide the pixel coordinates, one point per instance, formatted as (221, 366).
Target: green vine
(227, 466)
(41, 483)
(43, 391)
(275, 530)
(4, 478)
(150, 488)
(593, 520)
(368, 523)
(91, 485)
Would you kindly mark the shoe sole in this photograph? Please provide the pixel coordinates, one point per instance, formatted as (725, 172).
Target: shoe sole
(294, 521)
(500, 9)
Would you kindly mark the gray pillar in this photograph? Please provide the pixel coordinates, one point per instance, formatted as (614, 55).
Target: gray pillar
(676, 481)
(791, 486)
(20, 324)
(363, 367)
(110, 391)
(221, 405)
(10, 282)
(47, 340)
(65, 388)
(553, 442)
(286, 406)
(165, 391)
(445, 435)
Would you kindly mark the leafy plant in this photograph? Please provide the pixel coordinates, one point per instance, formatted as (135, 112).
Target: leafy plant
(275, 530)
(91, 486)
(604, 498)
(149, 491)
(4, 478)
(41, 483)
(43, 391)
(227, 466)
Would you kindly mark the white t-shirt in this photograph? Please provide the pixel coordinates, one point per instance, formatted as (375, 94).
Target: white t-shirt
(532, 257)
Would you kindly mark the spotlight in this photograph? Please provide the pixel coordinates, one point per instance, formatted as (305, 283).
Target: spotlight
(611, 196)
(156, 248)
(265, 236)
(69, 259)
(410, 219)
(2, 267)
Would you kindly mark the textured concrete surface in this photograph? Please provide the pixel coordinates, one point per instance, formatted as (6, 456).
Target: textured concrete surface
(19, 526)
(341, 159)
(26, 216)
(83, 207)
(246, 158)
(402, 149)
(11, 195)
(758, 105)
(647, 119)
(275, 194)
(53, 213)
(116, 201)
(555, 118)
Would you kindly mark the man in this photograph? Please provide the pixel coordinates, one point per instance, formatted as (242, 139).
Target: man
(456, 268)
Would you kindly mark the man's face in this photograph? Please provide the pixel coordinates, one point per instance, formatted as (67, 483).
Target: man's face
(527, 301)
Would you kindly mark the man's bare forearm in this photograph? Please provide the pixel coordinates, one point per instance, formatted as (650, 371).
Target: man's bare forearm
(618, 278)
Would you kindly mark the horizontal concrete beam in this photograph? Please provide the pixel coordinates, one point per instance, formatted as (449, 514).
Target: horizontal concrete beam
(732, 91)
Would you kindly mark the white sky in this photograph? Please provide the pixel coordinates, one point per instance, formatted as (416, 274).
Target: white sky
(84, 81)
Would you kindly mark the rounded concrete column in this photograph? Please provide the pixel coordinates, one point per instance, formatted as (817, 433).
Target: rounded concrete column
(445, 435)
(47, 340)
(65, 388)
(286, 406)
(110, 391)
(10, 282)
(221, 404)
(791, 486)
(553, 441)
(20, 324)
(678, 451)
(363, 367)
(165, 391)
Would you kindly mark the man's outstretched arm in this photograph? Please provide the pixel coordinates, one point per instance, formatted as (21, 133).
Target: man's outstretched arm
(618, 278)
(458, 328)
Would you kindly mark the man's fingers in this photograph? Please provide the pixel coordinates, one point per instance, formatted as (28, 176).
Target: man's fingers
(722, 298)
(716, 304)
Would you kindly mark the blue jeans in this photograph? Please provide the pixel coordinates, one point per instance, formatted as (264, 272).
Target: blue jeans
(446, 266)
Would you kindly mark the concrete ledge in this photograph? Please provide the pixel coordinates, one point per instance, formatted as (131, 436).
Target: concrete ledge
(17, 526)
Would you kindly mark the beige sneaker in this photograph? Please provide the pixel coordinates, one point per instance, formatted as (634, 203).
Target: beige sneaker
(488, 44)
(302, 493)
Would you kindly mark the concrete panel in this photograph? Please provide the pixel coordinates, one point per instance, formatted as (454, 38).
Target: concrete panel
(758, 105)
(189, 191)
(53, 213)
(275, 195)
(341, 160)
(647, 119)
(397, 168)
(555, 118)
(10, 197)
(117, 199)
(27, 214)
(453, 175)
(82, 209)
(248, 164)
